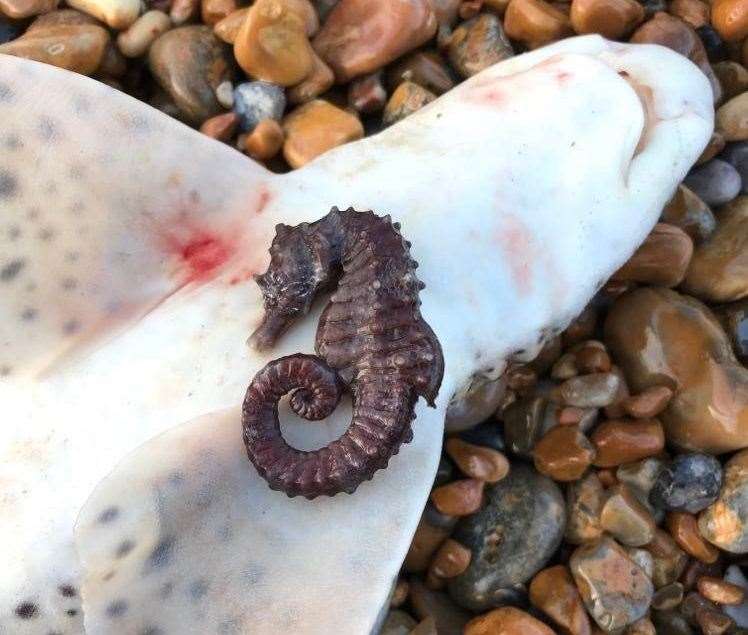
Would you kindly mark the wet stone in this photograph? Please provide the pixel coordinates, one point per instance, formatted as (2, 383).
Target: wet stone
(716, 182)
(591, 357)
(669, 559)
(319, 80)
(450, 619)
(643, 626)
(642, 558)
(715, 145)
(625, 518)
(535, 23)
(697, 569)
(713, 622)
(689, 484)
(221, 127)
(506, 621)
(584, 501)
(563, 453)
(687, 211)
(622, 441)
(524, 425)
(724, 523)
(719, 591)
(367, 94)
(256, 101)
(397, 623)
(511, 538)
(407, 98)
(734, 319)
(478, 44)
(685, 531)
(228, 28)
(641, 476)
(433, 529)
(553, 591)
(451, 559)
(612, 19)
(135, 41)
(668, 597)
(459, 498)
(265, 141)
(736, 154)
(648, 403)
(482, 463)
(733, 78)
(117, 14)
(425, 68)
(444, 471)
(614, 589)
(596, 390)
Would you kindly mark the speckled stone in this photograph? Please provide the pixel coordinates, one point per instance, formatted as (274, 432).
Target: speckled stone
(669, 559)
(255, 101)
(724, 523)
(716, 182)
(478, 44)
(553, 591)
(734, 318)
(511, 538)
(687, 211)
(690, 483)
(425, 68)
(614, 589)
(189, 63)
(507, 620)
(407, 99)
(584, 501)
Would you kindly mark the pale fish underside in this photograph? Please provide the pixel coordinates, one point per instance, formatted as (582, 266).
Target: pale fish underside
(126, 297)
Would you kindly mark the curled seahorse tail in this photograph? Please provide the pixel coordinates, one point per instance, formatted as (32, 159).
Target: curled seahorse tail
(382, 413)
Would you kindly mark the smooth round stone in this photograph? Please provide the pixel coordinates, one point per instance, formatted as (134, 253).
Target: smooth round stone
(118, 14)
(477, 44)
(563, 453)
(459, 498)
(719, 267)
(668, 558)
(687, 211)
(449, 618)
(213, 11)
(511, 538)
(228, 28)
(425, 68)
(189, 63)
(451, 559)
(621, 441)
(684, 529)
(736, 154)
(256, 101)
(265, 141)
(135, 41)
(433, 529)
(596, 390)
(475, 402)
(719, 591)
(716, 182)
(507, 620)
(319, 80)
(733, 77)
(715, 145)
(612, 19)
(367, 94)
(730, 19)
(475, 461)
(524, 424)
(19, 9)
(487, 434)
(689, 484)
(732, 118)
(614, 589)
(661, 337)
(535, 23)
(739, 613)
(221, 127)
(584, 501)
(407, 99)
(553, 591)
(397, 623)
(360, 36)
(725, 522)
(694, 12)
(734, 318)
(182, 11)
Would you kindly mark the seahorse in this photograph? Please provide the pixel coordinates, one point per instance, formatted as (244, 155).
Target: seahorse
(371, 340)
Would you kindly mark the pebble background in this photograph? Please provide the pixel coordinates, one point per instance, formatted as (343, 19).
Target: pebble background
(609, 491)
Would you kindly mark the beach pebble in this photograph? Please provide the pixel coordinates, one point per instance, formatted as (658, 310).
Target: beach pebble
(367, 94)
(730, 19)
(662, 259)
(19, 9)
(360, 37)
(487, 434)
(213, 11)
(668, 597)
(451, 559)
(669, 559)
(407, 98)
(319, 80)
(725, 522)
(535, 23)
(228, 28)
(641, 476)
(183, 11)
(524, 424)
(623, 441)
(265, 141)
(684, 529)
(648, 403)
(257, 101)
(736, 154)
(596, 390)
(316, 127)
(459, 498)
(478, 44)
(190, 63)
(511, 538)
(425, 68)
(687, 211)
(118, 14)
(553, 591)
(397, 623)
(716, 144)
(734, 318)
(563, 453)
(610, 18)
(689, 484)
(625, 518)
(584, 502)
(732, 118)
(614, 589)
(135, 41)
(507, 620)
(221, 127)
(482, 463)
(739, 613)
(715, 182)
(694, 12)
(449, 618)
(719, 591)
(733, 77)
(433, 529)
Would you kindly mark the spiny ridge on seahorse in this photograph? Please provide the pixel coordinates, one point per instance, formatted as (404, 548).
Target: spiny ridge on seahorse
(371, 340)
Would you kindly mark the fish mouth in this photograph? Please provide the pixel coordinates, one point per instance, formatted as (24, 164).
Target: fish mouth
(267, 333)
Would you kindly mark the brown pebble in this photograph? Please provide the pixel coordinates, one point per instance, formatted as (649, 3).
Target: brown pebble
(668, 597)
(221, 127)
(690, 213)
(478, 462)
(553, 591)
(595, 390)
(713, 622)
(685, 530)
(316, 127)
(228, 28)
(623, 441)
(565, 367)
(669, 559)
(506, 621)
(265, 141)
(714, 146)
(591, 357)
(477, 44)
(572, 416)
(563, 453)
(581, 327)
(213, 11)
(662, 259)
(584, 500)
(449, 617)
(400, 593)
(535, 23)
(182, 11)
(360, 36)
(613, 19)
(459, 498)
(425, 68)
(470, 8)
(433, 529)
(730, 19)
(697, 569)
(720, 591)
(135, 41)
(426, 626)
(608, 478)
(694, 12)
(407, 99)
(733, 77)
(367, 94)
(643, 626)
(625, 518)
(319, 80)
(649, 403)
(732, 118)
(19, 9)
(450, 560)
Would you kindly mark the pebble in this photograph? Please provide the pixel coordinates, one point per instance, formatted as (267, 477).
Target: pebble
(74, 47)
(524, 424)
(360, 37)
(565, 367)
(739, 613)
(213, 11)
(719, 591)
(724, 522)
(433, 529)
(450, 619)
(716, 48)
(596, 390)
(482, 463)
(399, 593)
(190, 63)
(459, 498)
(426, 626)
(451, 559)
(257, 101)
(669, 559)
(584, 502)
(625, 518)
(182, 11)
(730, 19)
(668, 597)
(643, 626)
(641, 477)
(719, 269)
(714, 146)
(535, 23)
(623, 441)
(225, 94)
(662, 259)
(612, 19)
(9, 30)
(734, 318)
(367, 94)
(563, 453)
(488, 434)
(685, 531)
(117, 14)
(736, 154)
(478, 44)
(273, 43)
(583, 418)
(661, 337)
(675, 34)
(397, 623)
(553, 591)
(581, 327)
(694, 12)
(614, 589)
(407, 99)
(697, 569)
(228, 28)
(648, 403)
(733, 77)
(19, 9)
(221, 127)
(319, 81)
(715, 182)
(135, 41)
(642, 558)
(687, 211)
(316, 127)
(425, 68)
(713, 622)
(591, 357)
(265, 141)
(671, 623)
(732, 118)
(511, 538)
(689, 484)
(506, 621)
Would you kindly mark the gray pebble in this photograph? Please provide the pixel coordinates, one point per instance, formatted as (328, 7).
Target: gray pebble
(255, 101)
(689, 484)
(716, 182)
(736, 154)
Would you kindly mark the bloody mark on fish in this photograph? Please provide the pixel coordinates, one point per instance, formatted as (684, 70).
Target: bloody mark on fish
(563, 77)
(264, 199)
(516, 242)
(200, 252)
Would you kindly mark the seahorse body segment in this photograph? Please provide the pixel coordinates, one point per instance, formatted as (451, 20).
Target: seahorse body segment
(371, 340)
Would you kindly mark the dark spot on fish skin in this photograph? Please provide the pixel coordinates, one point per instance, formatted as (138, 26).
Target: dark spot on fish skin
(33, 213)
(29, 314)
(71, 612)
(81, 105)
(14, 233)
(69, 284)
(77, 207)
(27, 611)
(8, 185)
(48, 130)
(125, 547)
(166, 590)
(5, 371)
(46, 234)
(31, 286)
(71, 327)
(176, 479)
(198, 589)
(108, 515)
(12, 269)
(108, 576)
(77, 171)
(72, 256)
(161, 554)
(67, 590)
(117, 608)
(12, 142)
(151, 630)
(51, 187)
(6, 94)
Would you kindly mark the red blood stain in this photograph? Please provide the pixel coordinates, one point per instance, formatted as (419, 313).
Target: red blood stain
(563, 77)
(265, 197)
(517, 243)
(204, 254)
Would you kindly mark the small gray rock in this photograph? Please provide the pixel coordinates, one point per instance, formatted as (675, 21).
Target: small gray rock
(716, 182)
(255, 101)
(689, 484)
(736, 154)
